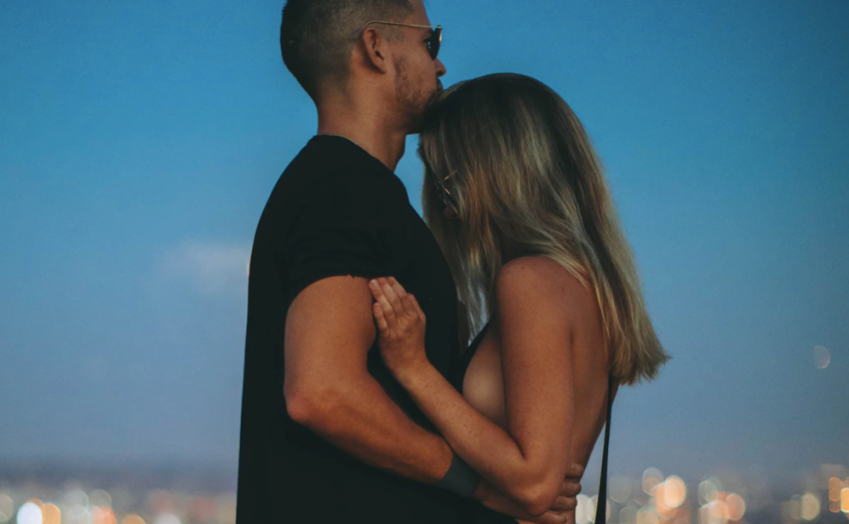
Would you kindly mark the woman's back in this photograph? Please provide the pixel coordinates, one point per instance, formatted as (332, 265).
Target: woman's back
(482, 375)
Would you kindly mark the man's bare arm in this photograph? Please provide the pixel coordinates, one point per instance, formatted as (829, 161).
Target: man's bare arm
(327, 386)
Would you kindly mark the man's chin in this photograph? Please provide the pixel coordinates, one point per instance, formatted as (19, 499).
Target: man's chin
(436, 92)
(434, 96)
(418, 120)
(417, 123)
(416, 127)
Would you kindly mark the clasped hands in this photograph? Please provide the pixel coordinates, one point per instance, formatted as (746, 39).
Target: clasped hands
(402, 325)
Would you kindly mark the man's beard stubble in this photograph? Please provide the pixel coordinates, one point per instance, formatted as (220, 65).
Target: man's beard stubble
(411, 101)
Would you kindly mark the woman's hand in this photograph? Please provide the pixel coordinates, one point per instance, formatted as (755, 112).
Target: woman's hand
(561, 512)
(401, 324)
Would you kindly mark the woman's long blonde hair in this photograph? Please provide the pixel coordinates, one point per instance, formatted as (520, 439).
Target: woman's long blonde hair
(527, 182)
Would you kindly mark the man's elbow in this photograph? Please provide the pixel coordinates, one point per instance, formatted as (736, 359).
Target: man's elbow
(311, 406)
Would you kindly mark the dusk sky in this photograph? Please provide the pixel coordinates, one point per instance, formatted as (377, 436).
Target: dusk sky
(139, 142)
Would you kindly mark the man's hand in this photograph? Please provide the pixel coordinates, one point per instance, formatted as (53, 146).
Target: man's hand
(561, 512)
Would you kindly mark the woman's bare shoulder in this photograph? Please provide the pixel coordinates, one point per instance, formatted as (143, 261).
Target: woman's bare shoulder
(541, 308)
(541, 281)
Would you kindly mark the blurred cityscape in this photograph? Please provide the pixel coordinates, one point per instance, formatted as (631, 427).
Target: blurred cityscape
(181, 496)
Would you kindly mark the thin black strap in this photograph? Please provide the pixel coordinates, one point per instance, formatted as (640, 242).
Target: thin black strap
(601, 504)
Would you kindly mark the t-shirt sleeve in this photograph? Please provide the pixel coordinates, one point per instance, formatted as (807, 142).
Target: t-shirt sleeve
(344, 228)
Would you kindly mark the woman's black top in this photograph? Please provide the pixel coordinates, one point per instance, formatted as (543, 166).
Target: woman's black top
(478, 514)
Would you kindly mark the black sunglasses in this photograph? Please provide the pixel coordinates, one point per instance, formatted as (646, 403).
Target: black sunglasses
(433, 43)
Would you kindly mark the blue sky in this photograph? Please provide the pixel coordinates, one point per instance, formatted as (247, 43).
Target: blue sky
(139, 142)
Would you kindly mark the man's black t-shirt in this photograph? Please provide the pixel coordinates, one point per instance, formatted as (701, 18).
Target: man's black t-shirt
(336, 210)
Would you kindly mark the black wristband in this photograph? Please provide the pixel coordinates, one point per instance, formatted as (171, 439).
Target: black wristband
(460, 478)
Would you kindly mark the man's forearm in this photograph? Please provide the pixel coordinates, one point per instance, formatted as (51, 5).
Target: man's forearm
(363, 421)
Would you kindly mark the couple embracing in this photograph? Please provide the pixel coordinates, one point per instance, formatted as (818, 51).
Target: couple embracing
(362, 401)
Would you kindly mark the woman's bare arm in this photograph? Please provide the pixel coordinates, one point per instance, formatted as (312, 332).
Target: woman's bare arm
(329, 390)
(529, 461)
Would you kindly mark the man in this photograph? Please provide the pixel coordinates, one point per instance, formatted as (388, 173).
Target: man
(327, 434)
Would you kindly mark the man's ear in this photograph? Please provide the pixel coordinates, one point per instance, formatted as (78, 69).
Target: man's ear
(377, 49)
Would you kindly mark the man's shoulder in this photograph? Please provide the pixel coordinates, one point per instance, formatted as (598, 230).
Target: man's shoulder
(320, 173)
(320, 190)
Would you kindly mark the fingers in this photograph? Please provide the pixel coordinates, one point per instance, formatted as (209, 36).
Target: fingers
(411, 305)
(396, 286)
(392, 296)
(570, 488)
(416, 306)
(567, 496)
(377, 309)
(408, 301)
(386, 307)
(562, 503)
(396, 295)
(395, 300)
(574, 471)
(555, 517)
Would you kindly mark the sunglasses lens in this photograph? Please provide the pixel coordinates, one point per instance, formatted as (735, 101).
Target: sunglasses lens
(435, 42)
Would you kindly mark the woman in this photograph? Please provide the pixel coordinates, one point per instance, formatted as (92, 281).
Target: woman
(517, 200)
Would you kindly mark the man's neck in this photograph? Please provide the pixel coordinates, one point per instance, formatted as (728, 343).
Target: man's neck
(368, 129)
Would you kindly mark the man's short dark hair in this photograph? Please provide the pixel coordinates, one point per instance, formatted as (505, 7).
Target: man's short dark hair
(316, 36)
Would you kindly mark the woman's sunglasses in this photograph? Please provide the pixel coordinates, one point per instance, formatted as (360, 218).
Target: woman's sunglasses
(449, 200)
(433, 43)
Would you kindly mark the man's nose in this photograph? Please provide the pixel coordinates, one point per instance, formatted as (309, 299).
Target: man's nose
(440, 68)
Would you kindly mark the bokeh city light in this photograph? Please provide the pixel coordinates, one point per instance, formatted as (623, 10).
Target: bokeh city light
(652, 497)
(728, 498)
(33, 503)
